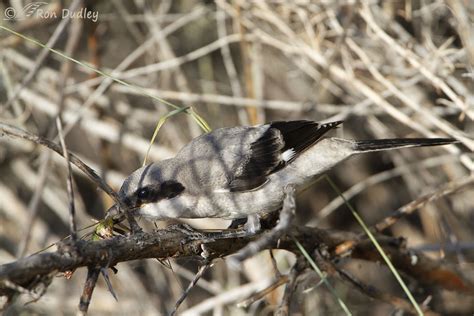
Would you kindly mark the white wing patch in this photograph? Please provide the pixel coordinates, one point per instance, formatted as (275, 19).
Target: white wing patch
(288, 154)
(221, 190)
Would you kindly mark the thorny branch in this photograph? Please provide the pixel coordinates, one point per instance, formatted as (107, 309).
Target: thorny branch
(91, 280)
(174, 242)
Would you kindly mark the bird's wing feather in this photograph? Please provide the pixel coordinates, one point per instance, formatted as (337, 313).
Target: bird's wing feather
(241, 158)
(263, 156)
(210, 162)
(280, 144)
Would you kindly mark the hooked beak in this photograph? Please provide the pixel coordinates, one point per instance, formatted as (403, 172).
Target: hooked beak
(113, 212)
(117, 213)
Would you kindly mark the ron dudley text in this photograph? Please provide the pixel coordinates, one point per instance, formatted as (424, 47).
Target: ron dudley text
(81, 14)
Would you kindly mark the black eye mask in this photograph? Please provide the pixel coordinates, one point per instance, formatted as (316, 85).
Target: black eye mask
(171, 189)
(153, 193)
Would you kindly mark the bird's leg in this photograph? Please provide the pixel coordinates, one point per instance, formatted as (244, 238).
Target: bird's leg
(284, 223)
(252, 226)
(238, 222)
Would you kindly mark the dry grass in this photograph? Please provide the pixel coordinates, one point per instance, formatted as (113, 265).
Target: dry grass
(397, 69)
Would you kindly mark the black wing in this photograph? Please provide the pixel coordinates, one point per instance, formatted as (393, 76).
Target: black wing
(281, 143)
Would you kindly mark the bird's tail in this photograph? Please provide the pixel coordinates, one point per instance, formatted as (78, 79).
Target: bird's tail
(387, 144)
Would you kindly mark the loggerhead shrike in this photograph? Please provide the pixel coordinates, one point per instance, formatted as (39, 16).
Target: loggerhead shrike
(235, 172)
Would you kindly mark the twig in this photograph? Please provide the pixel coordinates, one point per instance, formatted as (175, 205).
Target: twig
(379, 178)
(222, 99)
(227, 297)
(415, 264)
(284, 307)
(176, 62)
(191, 285)
(33, 204)
(91, 280)
(409, 208)
(229, 64)
(274, 263)
(70, 190)
(375, 293)
(464, 26)
(279, 281)
(252, 113)
(105, 274)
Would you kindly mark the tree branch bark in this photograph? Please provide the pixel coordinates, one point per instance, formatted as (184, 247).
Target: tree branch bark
(175, 242)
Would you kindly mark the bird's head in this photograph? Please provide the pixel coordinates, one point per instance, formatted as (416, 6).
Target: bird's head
(148, 190)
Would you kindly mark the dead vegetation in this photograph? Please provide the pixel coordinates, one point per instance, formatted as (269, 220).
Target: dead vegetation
(389, 69)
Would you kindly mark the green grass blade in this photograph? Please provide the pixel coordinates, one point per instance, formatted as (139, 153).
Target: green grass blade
(379, 248)
(323, 277)
(160, 123)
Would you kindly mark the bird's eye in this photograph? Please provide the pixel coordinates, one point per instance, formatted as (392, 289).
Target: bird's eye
(144, 193)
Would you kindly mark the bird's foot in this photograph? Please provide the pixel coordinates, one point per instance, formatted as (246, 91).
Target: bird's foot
(237, 223)
(252, 226)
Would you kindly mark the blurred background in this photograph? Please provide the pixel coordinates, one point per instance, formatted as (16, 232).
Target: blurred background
(387, 68)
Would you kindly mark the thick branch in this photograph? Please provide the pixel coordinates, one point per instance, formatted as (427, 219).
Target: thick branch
(171, 242)
(178, 242)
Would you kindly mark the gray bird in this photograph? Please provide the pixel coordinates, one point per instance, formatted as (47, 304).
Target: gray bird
(235, 172)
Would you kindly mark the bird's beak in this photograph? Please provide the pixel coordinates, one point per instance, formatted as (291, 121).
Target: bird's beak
(113, 211)
(117, 213)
